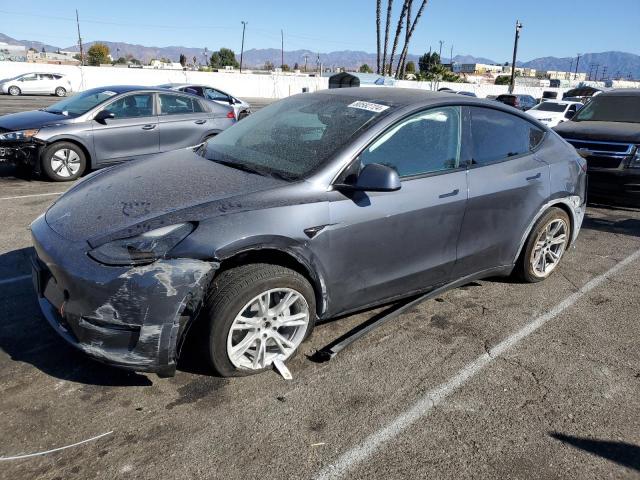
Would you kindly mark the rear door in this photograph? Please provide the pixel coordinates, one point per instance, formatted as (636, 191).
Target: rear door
(508, 184)
(389, 244)
(183, 121)
(132, 133)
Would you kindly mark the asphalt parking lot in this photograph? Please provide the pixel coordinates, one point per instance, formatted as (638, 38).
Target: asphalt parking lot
(497, 379)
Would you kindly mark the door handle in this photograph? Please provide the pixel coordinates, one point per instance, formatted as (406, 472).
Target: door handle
(536, 176)
(450, 194)
(200, 122)
(149, 127)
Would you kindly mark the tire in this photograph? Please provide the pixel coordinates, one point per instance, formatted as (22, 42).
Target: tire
(233, 292)
(63, 162)
(61, 92)
(538, 259)
(14, 91)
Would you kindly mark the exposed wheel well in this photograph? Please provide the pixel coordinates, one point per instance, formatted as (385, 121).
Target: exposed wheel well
(276, 257)
(569, 212)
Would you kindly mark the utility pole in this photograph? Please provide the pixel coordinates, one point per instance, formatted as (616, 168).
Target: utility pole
(79, 39)
(591, 65)
(604, 73)
(571, 67)
(281, 48)
(451, 58)
(515, 53)
(440, 54)
(244, 25)
(575, 75)
(595, 77)
(306, 56)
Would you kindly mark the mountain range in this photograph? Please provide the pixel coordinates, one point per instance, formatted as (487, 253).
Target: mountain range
(617, 63)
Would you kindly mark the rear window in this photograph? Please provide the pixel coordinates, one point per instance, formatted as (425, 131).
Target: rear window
(614, 108)
(551, 107)
(178, 105)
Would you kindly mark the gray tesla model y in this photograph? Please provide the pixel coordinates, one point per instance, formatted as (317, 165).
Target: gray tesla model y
(318, 205)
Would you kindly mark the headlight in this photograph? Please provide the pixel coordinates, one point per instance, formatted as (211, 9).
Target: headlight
(635, 161)
(19, 135)
(144, 248)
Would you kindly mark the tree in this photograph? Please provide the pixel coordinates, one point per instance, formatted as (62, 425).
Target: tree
(98, 53)
(120, 61)
(383, 67)
(296, 66)
(364, 68)
(225, 57)
(285, 67)
(403, 14)
(409, 34)
(410, 67)
(268, 66)
(183, 60)
(502, 80)
(426, 61)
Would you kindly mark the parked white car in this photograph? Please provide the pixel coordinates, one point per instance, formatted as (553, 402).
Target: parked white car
(553, 112)
(36, 84)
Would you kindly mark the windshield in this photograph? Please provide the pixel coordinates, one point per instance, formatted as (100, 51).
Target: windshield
(81, 103)
(616, 108)
(294, 137)
(550, 107)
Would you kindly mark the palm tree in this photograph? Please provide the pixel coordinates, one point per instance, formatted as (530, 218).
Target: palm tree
(378, 5)
(410, 31)
(403, 14)
(406, 38)
(386, 38)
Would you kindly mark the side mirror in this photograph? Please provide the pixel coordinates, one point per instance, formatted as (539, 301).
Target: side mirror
(374, 178)
(569, 115)
(103, 115)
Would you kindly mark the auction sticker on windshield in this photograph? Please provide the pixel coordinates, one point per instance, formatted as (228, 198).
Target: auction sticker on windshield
(372, 107)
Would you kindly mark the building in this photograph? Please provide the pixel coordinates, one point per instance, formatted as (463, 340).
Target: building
(476, 68)
(521, 71)
(55, 58)
(13, 53)
(563, 75)
(160, 65)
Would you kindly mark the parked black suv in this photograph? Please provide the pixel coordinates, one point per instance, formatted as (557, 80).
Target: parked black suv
(521, 102)
(606, 132)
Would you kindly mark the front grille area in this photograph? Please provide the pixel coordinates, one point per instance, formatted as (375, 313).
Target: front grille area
(603, 162)
(608, 147)
(602, 154)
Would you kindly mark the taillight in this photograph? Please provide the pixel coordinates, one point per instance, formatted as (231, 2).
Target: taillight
(230, 114)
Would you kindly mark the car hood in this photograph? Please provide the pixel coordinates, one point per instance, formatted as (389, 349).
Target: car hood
(146, 194)
(600, 131)
(31, 119)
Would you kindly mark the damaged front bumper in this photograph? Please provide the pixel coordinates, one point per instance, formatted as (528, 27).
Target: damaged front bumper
(129, 317)
(20, 153)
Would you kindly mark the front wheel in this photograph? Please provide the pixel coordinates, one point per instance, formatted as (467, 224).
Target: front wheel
(63, 162)
(61, 92)
(258, 313)
(546, 245)
(14, 91)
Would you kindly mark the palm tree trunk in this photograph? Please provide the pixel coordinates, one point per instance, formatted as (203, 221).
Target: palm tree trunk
(403, 14)
(406, 39)
(405, 49)
(378, 5)
(386, 38)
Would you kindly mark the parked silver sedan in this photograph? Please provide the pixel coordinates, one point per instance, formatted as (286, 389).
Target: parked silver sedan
(240, 107)
(108, 125)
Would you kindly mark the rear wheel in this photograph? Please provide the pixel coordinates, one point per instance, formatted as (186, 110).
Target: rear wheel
(61, 92)
(546, 245)
(63, 161)
(14, 91)
(258, 313)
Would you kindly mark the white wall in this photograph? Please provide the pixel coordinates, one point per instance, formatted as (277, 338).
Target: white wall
(481, 90)
(239, 85)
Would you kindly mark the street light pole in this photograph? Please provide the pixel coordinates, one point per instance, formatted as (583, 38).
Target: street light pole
(515, 53)
(244, 25)
(576, 72)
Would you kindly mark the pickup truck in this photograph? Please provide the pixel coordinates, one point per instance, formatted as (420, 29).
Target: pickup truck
(606, 132)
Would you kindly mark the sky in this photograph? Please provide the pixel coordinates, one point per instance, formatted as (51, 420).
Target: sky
(560, 28)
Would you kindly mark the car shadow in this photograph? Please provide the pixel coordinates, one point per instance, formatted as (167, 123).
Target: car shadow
(26, 337)
(613, 223)
(622, 453)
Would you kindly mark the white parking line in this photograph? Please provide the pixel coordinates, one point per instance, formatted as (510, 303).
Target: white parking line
(433, 398)
(33, 195)
(4, 281)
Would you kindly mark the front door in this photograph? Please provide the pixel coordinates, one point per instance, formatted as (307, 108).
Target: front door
(390, 244)
(132, 133)
(508, 184)
(183, 121)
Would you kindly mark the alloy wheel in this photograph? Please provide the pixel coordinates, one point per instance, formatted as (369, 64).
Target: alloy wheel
(549, 247)
(14, 91)
(65, 162)
(270, 326)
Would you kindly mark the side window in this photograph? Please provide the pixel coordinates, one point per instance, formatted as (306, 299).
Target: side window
(497, 135)
(193, 90)
(29, 78)
(177, 104)
(213, 94)
(423, 143)
(131, 106)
